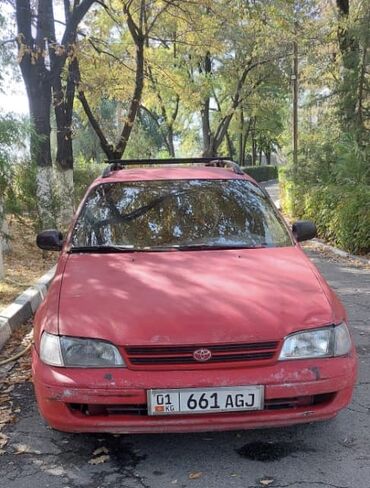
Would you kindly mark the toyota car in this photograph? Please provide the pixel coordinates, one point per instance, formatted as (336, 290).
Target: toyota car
(183, 302)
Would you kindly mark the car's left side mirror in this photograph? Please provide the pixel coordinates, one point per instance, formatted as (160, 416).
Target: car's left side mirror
(50, 240)
(303, 230)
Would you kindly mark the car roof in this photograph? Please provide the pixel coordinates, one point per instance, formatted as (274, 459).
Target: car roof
(172, 173)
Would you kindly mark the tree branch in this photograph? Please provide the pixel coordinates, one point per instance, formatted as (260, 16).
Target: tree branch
(68, 38)
(107, 148)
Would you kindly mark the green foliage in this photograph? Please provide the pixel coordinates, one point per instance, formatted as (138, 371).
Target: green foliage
(12, 131)
(290, 194)
(83, 175)
(331, 185)
(231, 61)
(262, 173)
(353, 219)
(145, 139)
(341, 213)
(352, 165)
(23, 199)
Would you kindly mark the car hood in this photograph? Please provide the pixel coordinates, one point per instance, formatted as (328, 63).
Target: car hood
(191, 297)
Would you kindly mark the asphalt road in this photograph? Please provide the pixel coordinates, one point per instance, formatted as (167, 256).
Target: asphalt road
(329, 454)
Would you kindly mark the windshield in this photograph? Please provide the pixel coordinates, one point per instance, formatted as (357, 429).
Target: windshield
(178, 214)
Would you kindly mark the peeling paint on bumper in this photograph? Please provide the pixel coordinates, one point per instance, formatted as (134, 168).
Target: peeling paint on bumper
(57, 388)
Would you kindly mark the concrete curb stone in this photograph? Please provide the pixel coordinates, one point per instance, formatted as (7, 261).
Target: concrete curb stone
(338, 252)
(5, 331)
(23, 307)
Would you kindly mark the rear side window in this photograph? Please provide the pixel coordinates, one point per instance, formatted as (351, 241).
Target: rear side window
(179, 213)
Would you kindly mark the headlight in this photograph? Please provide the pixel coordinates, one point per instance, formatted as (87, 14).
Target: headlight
(318, 343)
(50, 352)
(342, 340)
(78, 353)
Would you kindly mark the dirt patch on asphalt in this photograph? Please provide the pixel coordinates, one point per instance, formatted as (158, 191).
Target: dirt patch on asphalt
(328, 255)
(270, 451)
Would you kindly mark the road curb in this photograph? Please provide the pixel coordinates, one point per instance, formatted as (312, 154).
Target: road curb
(338, 252)
(23, 307)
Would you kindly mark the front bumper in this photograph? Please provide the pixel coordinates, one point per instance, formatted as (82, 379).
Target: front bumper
(82, 400)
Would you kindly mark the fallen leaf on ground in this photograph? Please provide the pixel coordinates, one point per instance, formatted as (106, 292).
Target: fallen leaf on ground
(266, 482)
(195, 475)
(3, 440)
(9, 389)
(100, 459)
(21, 448)
(100, 450)
(6, 417)
(24, 449)
(4, 399)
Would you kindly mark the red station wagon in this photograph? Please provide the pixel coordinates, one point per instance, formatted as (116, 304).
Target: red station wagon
(183, 302)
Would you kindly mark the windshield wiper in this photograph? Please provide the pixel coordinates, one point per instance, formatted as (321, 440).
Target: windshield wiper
(102, 249)
(187, 247)
(204, 247)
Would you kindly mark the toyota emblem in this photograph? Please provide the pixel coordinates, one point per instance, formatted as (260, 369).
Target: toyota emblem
(202, 355)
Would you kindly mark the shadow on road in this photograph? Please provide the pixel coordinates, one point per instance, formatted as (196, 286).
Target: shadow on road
(332, 454)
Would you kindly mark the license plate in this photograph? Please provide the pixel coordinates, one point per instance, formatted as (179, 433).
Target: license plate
(205, 400)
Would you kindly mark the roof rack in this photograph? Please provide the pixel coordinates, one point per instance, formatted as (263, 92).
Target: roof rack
(118, 164)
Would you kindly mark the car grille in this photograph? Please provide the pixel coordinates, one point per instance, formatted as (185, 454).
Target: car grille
(141, 409)
(183, 355)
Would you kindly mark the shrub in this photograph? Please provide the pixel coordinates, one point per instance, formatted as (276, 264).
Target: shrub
(261, 173)
(353, 219)
(340, 212)
(290, 194)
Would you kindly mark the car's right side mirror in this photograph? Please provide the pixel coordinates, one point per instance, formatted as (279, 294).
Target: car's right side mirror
(303, 230)
(50, 240)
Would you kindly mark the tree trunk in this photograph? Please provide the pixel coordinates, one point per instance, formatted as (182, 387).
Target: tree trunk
(218, 136)
(42, 66)
(206, 129)
(107, 148)
(171, 145)
(241, 137)
(349, 48)
(135, 101)
(268, 155)
(204, 113)
(37, 81)
(230, 146)
(116, 151)
(63, 108)
(245, 138)
(254, 150)
(39, 96)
